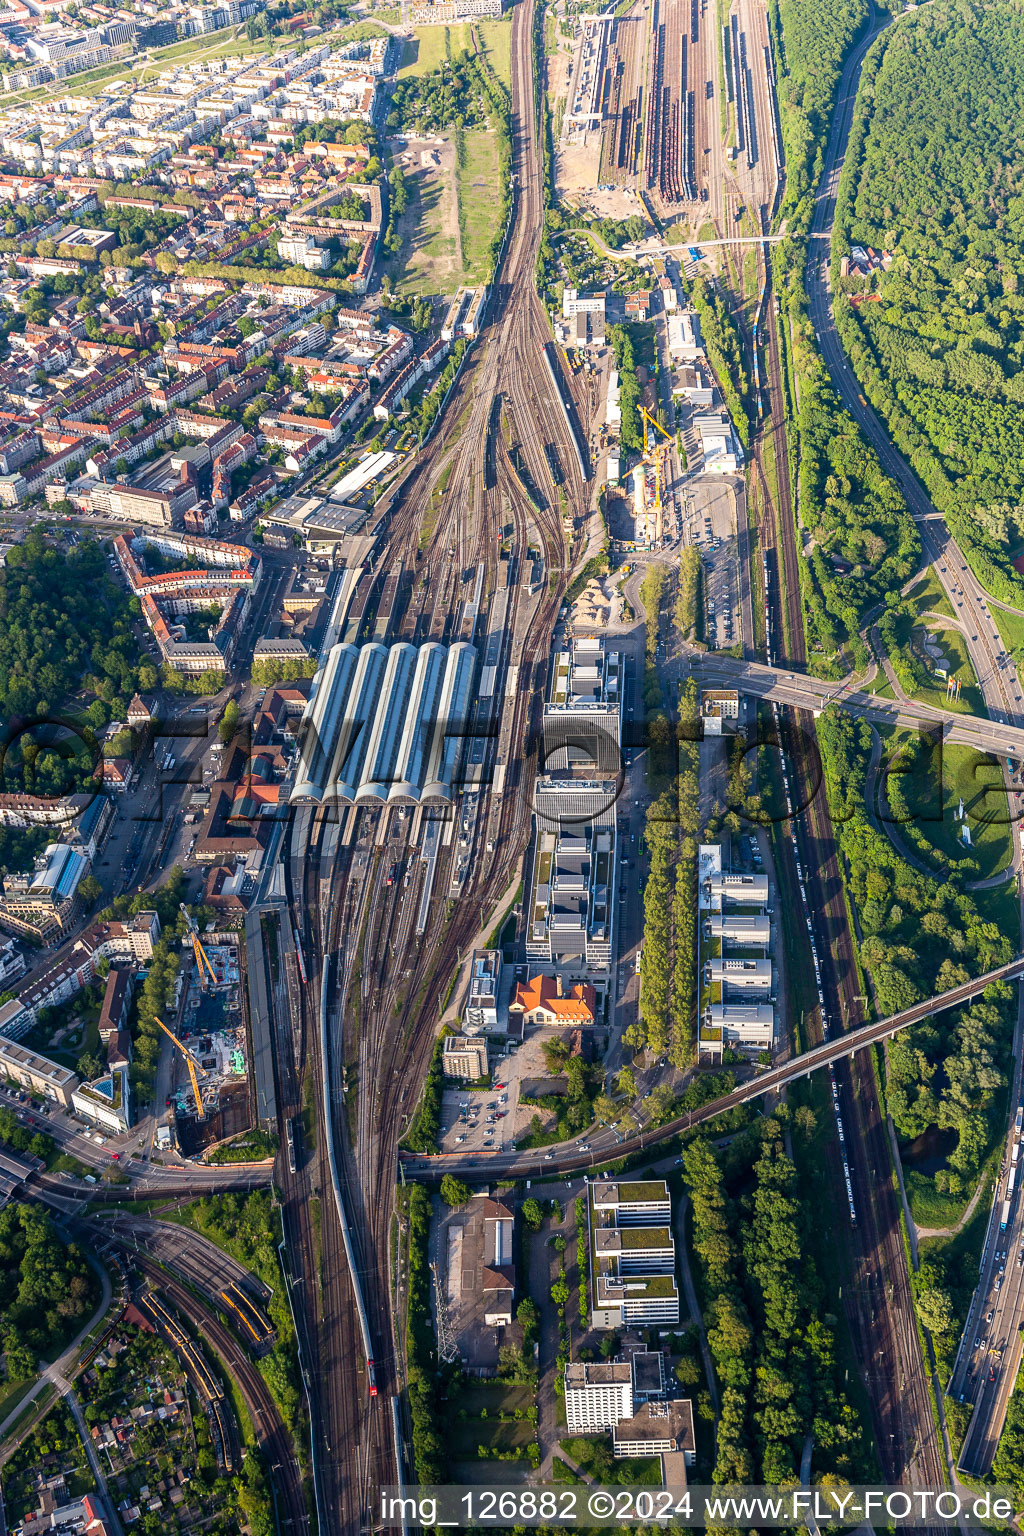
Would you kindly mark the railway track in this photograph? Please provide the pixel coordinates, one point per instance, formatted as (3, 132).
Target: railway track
(380, 977)
(271, 1435)
(878, 1302)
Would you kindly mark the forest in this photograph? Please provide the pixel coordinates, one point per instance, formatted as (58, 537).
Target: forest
(919, 936)
(810, 44)
(46, 1287)
(933, 176)
(65, 631)
(864, 542)
(770, 1318)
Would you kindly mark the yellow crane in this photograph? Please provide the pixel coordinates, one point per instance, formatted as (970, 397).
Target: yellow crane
(190, 1062)
(202, 958)
(653, 454)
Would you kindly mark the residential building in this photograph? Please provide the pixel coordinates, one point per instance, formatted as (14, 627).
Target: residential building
(107, 1101)
(41, 1076)
(117, 998)
(464, 1056)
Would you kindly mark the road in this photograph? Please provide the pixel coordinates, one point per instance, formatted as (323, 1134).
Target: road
(997, 677)
(603, 1144)
(801, 691)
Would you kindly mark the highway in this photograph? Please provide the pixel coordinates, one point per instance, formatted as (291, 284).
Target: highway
(990, 1349)
(997, 676)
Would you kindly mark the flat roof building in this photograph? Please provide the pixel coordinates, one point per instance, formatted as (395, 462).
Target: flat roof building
(37, 1073)
(464, 1056)
(740, 928)
(733, 974)
(597, 1395)
(738, 890)
(632, 1255)
(739, 1026)
(481, 1010)
(583, 715)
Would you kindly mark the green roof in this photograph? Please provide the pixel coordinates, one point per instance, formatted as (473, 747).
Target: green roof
(650, 1189)
(645, 1237)
(655, 1285)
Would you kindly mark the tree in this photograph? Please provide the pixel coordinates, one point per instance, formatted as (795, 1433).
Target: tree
(556, 1054)
(527, 1314)
(935, 1309)
(532, 1213)
(228, 722)
(89, 889)
(455, 1192)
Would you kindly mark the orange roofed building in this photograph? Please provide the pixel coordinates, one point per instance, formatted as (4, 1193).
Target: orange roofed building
(543, 1000)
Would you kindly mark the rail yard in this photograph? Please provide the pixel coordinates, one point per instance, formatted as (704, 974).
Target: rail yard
(485, 985)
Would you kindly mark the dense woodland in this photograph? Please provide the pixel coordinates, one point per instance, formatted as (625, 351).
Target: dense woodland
(919, 936)
(934, 176)
(864, 544)
(65, 631)
(770, 1318)
(46, 1287)
(810, 44)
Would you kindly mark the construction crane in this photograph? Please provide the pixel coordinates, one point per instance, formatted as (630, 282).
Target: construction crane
(654, 452)
(191, 1063)
(202, 958)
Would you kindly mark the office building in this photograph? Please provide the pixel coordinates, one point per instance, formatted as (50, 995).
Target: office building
(481, 1010)
(597, 1395)
(632, 1255)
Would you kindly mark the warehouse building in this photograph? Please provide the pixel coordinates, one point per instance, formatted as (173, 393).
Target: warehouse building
(386, 725)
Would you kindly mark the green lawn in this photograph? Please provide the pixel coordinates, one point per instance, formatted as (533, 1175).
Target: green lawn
(977, 779)
(971, 701)
(479, 204)
(428, 47)
(13, 1392)
(428, 259)
(1011, 629)
(928, 595)
(496, 40)
(474, 1419)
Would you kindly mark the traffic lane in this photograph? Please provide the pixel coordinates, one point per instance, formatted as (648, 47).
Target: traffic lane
(802, 692)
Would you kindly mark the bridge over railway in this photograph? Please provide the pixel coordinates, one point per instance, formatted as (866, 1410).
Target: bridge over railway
(574, 1160)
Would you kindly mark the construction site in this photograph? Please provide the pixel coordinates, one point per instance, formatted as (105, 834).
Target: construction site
(210, 1095)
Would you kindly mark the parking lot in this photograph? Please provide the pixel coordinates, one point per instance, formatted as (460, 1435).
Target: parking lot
(711, 525)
